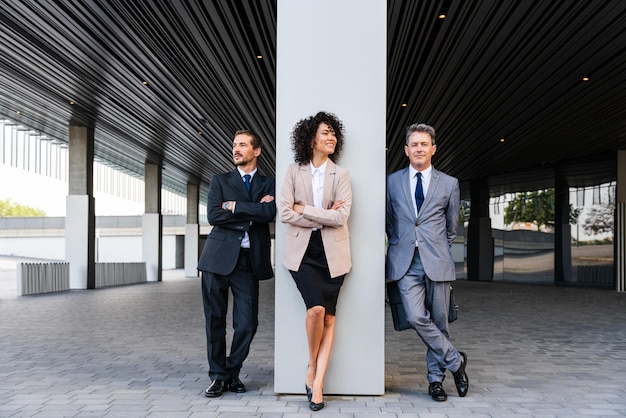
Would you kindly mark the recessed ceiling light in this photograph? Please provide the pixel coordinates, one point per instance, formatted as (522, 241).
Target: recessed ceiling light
(442, 16)
(585, 78)
(145, 83)
(259, 57)
(501, 139)
(71, 102)
(17, 111)
(404, 105)
(199, 132)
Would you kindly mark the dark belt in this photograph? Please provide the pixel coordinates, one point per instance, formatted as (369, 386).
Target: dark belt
(244, 251)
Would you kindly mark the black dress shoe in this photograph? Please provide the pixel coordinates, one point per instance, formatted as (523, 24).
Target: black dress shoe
(236, 386)
(460, 377)
(309, 392)
(435, 390)
(216, 389)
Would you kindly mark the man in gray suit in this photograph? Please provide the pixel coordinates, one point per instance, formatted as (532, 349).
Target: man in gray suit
(422, 217)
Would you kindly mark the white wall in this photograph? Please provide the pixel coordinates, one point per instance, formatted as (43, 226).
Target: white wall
(48, 248)
(108, 249)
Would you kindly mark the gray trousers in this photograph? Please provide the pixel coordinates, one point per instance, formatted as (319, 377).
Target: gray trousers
(431, 326)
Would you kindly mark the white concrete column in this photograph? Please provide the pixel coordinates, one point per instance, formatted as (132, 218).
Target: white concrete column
(152, 224)
(80, 219)
(192, 231)
(331, 56)
(80, 240)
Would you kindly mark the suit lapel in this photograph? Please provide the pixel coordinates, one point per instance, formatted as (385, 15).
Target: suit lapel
(406, 189)
(305, 176)
(432, 187)
(254, 186)
(257, 186)
(237, 183)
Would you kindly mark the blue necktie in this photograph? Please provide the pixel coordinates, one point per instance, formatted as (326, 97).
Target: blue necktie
(246, 178)
(419, 192)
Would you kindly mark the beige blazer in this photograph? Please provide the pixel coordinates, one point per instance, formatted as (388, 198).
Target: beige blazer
(298, 188)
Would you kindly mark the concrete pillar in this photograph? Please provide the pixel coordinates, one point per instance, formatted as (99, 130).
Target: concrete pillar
(192, 231)
(153, 224)
(80, 219)
(340, 70)
(480, 245)
(562, 231)
(620, 223)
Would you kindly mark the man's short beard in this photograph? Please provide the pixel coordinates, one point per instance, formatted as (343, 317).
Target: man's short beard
(241, 162)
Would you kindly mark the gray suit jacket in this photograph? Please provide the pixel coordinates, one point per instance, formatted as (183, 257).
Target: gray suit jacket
(434, 228)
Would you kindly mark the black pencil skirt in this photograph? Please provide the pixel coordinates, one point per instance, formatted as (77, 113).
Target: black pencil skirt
(313, 278)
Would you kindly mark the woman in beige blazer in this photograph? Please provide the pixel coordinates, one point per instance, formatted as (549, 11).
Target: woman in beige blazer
(315, 202)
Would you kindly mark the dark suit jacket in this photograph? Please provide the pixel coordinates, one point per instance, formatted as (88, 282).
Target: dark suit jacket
(222, 246)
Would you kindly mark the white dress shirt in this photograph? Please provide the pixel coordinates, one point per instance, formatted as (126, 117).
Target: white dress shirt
(317, 181)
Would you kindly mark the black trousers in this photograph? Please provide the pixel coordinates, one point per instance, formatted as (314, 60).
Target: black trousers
(245, 289)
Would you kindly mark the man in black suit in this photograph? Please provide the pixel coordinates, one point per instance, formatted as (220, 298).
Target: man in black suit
(236, 256)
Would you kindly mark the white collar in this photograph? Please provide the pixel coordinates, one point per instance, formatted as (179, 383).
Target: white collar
(425, 173)
(321, 168)
(243, 173)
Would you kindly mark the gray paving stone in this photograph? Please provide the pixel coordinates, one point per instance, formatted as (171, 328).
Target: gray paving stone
(139, 351)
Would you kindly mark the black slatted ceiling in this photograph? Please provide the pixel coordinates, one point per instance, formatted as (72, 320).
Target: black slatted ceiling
(510, 70)
(491, 69)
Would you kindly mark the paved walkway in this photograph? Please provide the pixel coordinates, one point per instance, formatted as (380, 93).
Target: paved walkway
(138, 351)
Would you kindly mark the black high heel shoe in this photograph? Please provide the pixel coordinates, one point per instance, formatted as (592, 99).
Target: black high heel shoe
(309, 391)
(316, 406)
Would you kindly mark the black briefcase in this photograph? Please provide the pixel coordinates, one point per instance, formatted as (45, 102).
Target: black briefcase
(398, 314)
(397, 308)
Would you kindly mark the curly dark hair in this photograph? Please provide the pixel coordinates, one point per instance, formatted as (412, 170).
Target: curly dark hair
(303, 134)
